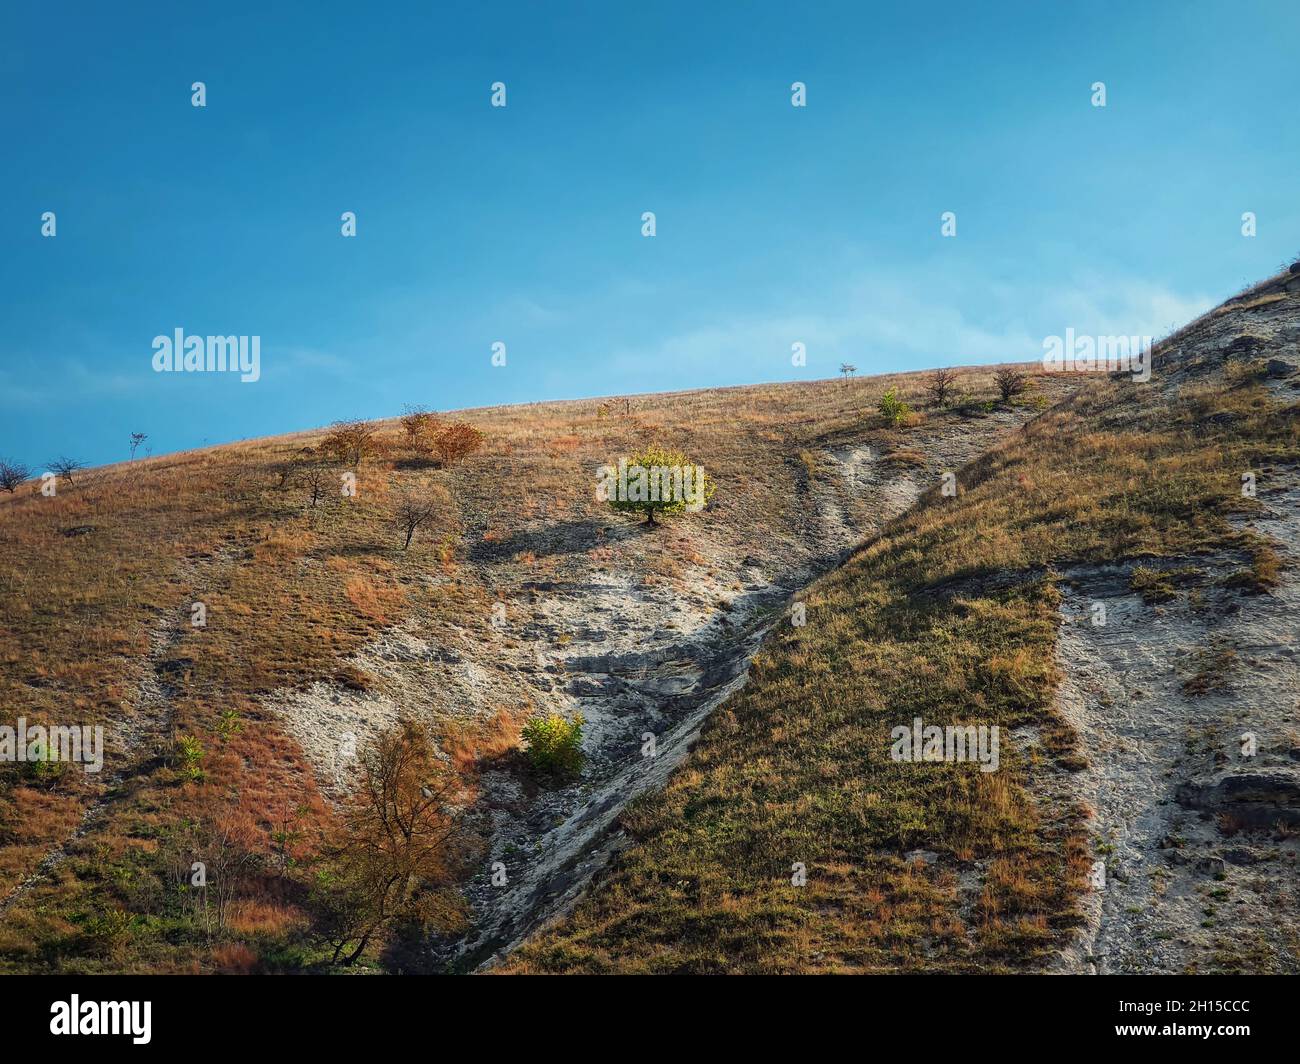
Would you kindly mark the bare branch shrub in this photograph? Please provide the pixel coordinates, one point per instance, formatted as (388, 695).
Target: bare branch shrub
(417, 508)
(13, 474)
(65, 467)
(940, 386)
(1011, 382)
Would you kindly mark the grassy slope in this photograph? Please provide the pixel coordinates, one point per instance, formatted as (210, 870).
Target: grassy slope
(795, 767)
(86, 621)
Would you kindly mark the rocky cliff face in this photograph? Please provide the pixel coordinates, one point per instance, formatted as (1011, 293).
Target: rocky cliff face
(1188, 703)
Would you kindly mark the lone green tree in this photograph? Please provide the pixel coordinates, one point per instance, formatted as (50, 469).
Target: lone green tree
(656, 481)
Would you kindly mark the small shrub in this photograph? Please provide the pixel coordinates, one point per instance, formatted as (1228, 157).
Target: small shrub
(189, 755)
(447, 553)
(12, 475)
(349, 443)
(106, 933)
(420, 426)
(354, 679)
(1263, 575)
(1011, 382)
(895, 410)
(42, 770)
(65, 467)
(456, 441)
(555, 744)
(229, 725)
(940, 386)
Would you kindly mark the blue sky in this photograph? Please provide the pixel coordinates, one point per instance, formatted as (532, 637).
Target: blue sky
(522, 224)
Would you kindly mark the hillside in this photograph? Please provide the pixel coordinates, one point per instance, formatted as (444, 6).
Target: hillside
(1129, 728)
(230, 744)
(223, 741)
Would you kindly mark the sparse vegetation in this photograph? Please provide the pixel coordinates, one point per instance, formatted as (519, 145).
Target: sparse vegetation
(795, 767)
(1161, 585)
(297, 578)
(555, 744)
(228, 526)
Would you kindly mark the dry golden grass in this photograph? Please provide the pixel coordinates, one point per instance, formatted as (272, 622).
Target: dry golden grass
(795, 768)
(296, 577)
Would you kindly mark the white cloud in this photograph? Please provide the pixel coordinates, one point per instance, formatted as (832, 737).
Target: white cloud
(893, 322)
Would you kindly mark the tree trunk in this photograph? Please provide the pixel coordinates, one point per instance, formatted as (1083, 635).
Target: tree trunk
(365, 940)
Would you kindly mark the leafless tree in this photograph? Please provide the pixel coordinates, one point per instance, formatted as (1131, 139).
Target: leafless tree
(12, 474)
(316, 477)
(1011, 382)
(293, 469)
(414, 510)
(64, 467)
(847, 369)
(286, 471)
(137, 438)
(940, 386)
